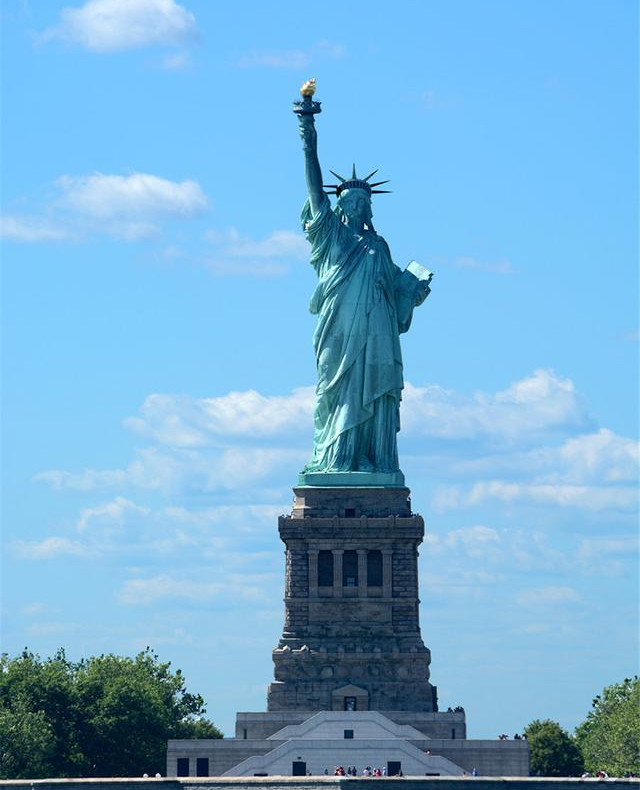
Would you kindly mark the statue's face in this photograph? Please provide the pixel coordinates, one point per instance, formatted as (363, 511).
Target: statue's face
(356, 205)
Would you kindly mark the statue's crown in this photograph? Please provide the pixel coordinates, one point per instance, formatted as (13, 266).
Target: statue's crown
(355, 183)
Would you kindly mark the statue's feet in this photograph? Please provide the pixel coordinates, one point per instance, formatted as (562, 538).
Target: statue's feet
(365, 465)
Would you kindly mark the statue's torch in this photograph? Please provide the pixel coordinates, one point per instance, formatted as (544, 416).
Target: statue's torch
(307, 106)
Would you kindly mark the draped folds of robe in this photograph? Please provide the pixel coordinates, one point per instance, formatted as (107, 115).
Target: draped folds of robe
(361, 310)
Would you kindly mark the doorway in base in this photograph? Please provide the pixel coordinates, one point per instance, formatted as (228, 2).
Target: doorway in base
(394, 767)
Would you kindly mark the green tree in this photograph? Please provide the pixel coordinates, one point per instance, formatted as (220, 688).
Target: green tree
(103, 716)
(27, 744)
(553, 750)
(609, 738)
(37, 700)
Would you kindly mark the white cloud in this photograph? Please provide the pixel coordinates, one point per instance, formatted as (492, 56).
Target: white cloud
(579, 496)
(183, 421)
(483, 555)
(599, 547)
(115, 25)
(477, 542)
(114, 512)
(124, 207)
(121, 527)
(532, 406)
(182, 471)
(600, 456)
(548, 596)
(32, 229)
(238, 465)
(151, 470)
(237, 255)
(49, 548)
(203, 445)
(293, 58)
(596, 457)
(147, 591)
(138, 195)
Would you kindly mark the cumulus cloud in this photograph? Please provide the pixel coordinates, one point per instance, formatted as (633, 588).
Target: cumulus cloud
(481, 556)
(32, 229)
(184, 421)
(182, 471)
(601, 456)
(209, 444)
(236, 255)
(122, 527)
(594, 471)
(201, 445)
(112, 513)
(497, 550)
(599, 547)
(116, 25)
(151, 470)
(229, 590)
(583, 497)
(50, 548)
(597, 456)
(475, 542)
(126, 207)
(528, 408)
(538, 404)
(137, 195)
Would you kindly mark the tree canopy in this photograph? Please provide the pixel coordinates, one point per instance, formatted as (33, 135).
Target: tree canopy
(553, 751)
(609, 738)
(103, 716)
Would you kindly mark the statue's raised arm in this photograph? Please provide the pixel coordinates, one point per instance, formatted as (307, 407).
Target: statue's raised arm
(305, 110)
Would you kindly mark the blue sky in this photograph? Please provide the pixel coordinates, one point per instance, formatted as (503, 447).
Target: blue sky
(157, 363)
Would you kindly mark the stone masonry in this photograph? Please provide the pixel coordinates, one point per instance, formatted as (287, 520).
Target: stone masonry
(351, 670)
(351, 638)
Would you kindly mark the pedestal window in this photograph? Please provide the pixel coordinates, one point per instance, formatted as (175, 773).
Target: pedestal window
(374, 568)
(325, 569)
(350, 569)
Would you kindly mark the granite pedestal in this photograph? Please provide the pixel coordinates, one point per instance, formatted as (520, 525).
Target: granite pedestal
(351, 671)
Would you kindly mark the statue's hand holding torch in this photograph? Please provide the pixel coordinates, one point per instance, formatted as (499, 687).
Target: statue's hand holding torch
(307, 107)
(305, 110)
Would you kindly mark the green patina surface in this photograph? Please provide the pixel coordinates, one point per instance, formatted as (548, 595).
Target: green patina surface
(363, 302)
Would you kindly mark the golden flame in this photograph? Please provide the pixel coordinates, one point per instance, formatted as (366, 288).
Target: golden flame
(309, 87)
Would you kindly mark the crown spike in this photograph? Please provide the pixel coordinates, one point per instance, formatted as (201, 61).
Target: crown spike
(381, 191)
(355, 183)
(337, 175)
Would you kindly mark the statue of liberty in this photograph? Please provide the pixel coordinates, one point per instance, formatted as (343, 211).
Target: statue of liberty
(363, 302)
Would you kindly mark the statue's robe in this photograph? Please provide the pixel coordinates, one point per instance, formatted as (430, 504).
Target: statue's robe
(363, 301)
